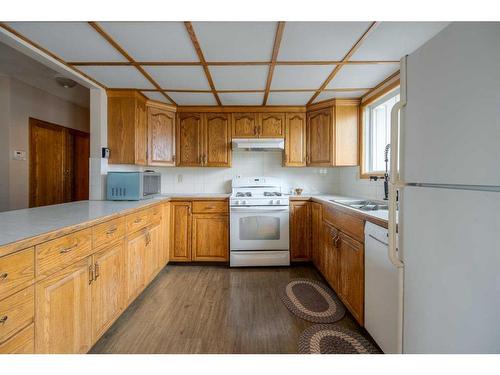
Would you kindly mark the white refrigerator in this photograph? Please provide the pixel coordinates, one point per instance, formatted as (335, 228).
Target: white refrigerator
(445, 166)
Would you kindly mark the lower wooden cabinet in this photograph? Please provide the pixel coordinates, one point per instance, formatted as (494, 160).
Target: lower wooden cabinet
(152, 251)
(135, 264)
(331, 260)
(316, 232)
(300, 231)
(180, 231)
(21, 343)
(210, 237)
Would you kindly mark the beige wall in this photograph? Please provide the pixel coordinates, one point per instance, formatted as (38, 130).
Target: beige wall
(25, 102)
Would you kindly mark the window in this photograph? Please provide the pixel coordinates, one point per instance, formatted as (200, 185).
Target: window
(377, 132)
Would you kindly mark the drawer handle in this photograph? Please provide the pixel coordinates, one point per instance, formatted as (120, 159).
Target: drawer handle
(67, 249)
(138, 220)
(3, 276)
(336, 241)
(209, 207)
(111, 231)
(3, 319)
(97, 268)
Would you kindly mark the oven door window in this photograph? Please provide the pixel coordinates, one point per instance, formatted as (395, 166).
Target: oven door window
(259, 228)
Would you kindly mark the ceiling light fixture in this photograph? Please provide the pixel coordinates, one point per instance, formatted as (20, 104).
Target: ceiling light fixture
(67, 83)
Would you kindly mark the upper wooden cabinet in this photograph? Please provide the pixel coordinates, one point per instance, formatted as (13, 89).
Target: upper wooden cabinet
(161, 136)
(295, 140)
(258, 125)
(320, 138)
(346, 134)
(271, 125)
(203, 140)
(244, 125)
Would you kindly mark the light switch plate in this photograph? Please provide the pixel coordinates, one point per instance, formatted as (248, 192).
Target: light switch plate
(19, 155)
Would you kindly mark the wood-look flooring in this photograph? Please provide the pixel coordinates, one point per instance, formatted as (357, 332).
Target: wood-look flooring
(211, 309)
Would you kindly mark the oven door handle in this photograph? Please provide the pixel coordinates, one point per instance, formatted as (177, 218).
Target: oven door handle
(259, 209)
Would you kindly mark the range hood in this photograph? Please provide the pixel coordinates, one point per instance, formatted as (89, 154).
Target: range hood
(259, 144)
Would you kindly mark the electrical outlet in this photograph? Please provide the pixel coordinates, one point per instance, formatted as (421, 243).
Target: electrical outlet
(179, 178)
(19, 155)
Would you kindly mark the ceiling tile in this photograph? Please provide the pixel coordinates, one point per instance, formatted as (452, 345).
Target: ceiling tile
(179, 77)
(393, 40)
(366, 76)
(188, 98)
(325, 95)
(289, 98)
(236, 41)
(253, 98)
(71, 41)
(117, 76)
(155, 95)
(300, 77)
(239, 77)
(153, 41)
(304, 41)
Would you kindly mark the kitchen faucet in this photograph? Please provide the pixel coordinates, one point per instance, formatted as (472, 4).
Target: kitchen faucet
(386, 174)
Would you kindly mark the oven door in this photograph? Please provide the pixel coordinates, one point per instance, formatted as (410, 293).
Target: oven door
(259, 228)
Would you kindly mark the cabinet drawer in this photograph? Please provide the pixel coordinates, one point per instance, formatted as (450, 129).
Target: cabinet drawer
(16, 312)
(108, 232)
(21, 343)
(345, 222)
(137, 220)
(17, 271)
(156, 213)
(201, 207)
(54, 255)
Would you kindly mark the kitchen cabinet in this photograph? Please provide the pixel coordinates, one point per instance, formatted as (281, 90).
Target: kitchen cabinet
(135, 263)
(189, 140)
(331, 261)
(316, 232)
(63, 310)
(244, 125)
(295, 140)
(180, 231)
(271, 125)
(346, 134)
(320, 138)
(152, 251)
(161, 136)
(300, 231)
(210, 237)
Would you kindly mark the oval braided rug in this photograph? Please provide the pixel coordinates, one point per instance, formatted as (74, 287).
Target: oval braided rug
(333, 339)
(312, 301)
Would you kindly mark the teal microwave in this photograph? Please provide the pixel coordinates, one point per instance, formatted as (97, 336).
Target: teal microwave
(132, 186)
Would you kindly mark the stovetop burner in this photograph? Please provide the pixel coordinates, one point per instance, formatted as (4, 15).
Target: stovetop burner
(244, 194)
(272, 194)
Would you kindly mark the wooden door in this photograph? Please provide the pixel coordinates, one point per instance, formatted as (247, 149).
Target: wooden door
(300, 231)
(63, 310)
(346, 135)
(135, 264)
(81, 155)
(210, 237)
(141, 133)
(108, 288)
(188, 140)
(217, 140)
(180, 231)
(161, 137)
(352, 275)
(316, 231)
(271, 125)
(295, 140)
(152, 252)
(244, 125)
(331, 257)
(320, 138)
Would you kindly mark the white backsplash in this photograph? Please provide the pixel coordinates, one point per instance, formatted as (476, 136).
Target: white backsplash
(245, 163)
(349, 184)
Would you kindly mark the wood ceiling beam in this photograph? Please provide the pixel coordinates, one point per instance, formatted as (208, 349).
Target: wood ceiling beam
(276, 47)
(124, 53)
(247, 91)
(199, 52)
(346, 58)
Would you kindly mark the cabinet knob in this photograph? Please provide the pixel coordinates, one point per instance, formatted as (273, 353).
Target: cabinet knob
(3, 276)
(3, 319)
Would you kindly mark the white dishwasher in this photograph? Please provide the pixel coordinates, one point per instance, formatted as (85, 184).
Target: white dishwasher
(383, 292)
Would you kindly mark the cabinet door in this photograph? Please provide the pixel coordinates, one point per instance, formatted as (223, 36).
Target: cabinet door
(165, 250)
(161, 137)
(316, 231)
(108, 288)
(153, 247)
(271, 125)
(300, 231)
(141, 134)
(320, 138)
(189, 142)
(210, 237)
(63, 310)
(217, 140)
(244, 125)
(180, 231)
(135, 264)
(295, 140)
(352, 275)
(346, 135)
(331, 257)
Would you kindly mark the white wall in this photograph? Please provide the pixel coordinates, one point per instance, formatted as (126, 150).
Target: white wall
(25, 102)
(245, 163)
(352, 186)
(4, 142)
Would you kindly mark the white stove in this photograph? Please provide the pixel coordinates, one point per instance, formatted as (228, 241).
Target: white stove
(259, 223)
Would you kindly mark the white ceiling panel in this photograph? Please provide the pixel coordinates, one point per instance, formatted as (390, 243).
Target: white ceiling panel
(289, 98)
(253, 98)
(71, 41)
(179, 77)
(300, 76)
(319, 40)
(325, 95)
(153, 41)
(155, 95)
(393, 40)
(239, 77)
(117, 76)
(185, 98)
(236, 41)
(366, 76)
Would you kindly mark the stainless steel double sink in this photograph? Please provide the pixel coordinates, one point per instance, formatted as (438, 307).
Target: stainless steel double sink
(364, 205)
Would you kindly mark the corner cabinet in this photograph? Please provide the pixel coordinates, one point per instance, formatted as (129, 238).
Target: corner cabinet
(161, 136)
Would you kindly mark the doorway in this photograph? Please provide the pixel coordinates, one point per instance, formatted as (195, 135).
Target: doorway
(58, 164)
